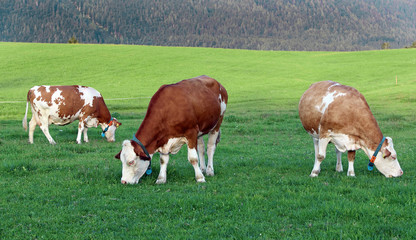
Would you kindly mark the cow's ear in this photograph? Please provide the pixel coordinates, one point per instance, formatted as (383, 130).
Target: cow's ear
(140, 153)
(144, 156)
(116, 123)
(386, 153)
(118, 155)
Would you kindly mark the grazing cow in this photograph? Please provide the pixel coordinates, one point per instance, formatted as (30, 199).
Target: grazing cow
(61, 105)
(331, 112)
(177, 114)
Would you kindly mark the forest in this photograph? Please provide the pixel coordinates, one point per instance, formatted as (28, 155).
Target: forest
(301, 25)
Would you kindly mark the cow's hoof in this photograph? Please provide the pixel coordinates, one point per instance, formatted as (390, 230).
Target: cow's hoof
(200, 180)
(160, 181)
(209, 172)
(314, 174)
(339, 169)
(351, 174)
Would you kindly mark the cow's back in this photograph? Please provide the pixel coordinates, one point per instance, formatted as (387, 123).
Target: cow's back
(61, 102)
(331, 106)
(191, 102)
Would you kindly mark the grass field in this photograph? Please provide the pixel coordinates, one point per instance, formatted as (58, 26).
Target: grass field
(262, 188)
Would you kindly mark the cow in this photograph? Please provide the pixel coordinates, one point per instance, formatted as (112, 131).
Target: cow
(177, 114)
(331, 112)
(61, 105)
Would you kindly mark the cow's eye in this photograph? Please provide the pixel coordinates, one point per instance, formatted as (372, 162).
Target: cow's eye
(131, 163)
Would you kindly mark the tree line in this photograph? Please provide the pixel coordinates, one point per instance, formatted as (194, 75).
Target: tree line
(337, 25)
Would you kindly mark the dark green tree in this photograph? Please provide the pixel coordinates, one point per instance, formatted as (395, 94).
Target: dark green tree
(385, 45)
(73, 40)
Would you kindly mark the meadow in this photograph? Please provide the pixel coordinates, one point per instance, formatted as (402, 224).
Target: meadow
(261, 188)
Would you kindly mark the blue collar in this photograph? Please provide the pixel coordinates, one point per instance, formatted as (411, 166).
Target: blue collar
(141, 145)
(373, 158)
(106, 129)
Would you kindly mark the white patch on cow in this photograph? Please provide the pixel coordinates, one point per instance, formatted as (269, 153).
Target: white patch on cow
(88, 94)
(133, 168)
(193, 159)
(333, 85)
(111, 132)
(91, 122)
(35, 91)
(223, 105)
(328, 99)
(173, 145)
(343, 142)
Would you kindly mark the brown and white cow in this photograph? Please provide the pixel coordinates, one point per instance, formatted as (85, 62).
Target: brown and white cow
(61, 105)
(178, 114)
(331, 112)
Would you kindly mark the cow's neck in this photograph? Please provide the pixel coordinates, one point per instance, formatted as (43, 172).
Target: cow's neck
(371, 140)
(104, 115)
(149, 134)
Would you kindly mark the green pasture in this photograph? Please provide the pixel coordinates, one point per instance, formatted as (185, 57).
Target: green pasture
(261, 188)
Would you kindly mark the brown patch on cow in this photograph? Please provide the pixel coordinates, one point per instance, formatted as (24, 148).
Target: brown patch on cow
(98, 110)
(348, 114)
(351, 156)
(72, 101)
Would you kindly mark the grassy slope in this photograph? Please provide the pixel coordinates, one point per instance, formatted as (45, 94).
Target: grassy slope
(261, 188)
(255, 79)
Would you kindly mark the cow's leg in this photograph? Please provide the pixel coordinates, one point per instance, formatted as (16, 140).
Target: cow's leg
(339, 160)
(164, 160)
(320, 153)
(44, 126)
(322, 144)
(351, 158)
(193, 159)
(212, 143)
(80, 130)
(201, 153)
(317, 166)
(85, 134)
(32, 127)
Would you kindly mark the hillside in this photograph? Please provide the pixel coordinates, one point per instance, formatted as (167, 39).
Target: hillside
(245, 24)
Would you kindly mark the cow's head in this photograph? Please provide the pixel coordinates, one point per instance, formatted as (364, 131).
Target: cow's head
(133, 167)
(109, 130)
(386, 161)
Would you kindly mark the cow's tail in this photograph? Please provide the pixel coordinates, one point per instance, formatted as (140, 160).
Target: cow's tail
(24, 122)
(218, 138)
